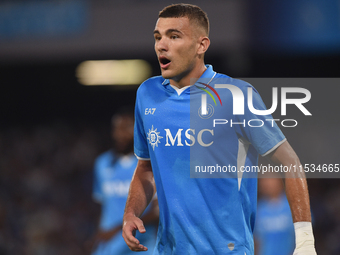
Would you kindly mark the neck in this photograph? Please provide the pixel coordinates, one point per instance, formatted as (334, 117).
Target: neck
(189, 78)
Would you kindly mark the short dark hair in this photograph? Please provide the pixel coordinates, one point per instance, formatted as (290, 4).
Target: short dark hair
(192, 12)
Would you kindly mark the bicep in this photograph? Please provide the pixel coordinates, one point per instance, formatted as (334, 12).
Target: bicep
(143, 172)
(143, 167)
(284, 154)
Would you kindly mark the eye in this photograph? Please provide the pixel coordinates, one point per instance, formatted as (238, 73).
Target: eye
(174, 36)
(157, 37)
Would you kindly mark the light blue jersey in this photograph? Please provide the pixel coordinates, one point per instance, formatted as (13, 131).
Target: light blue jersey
(112, 177)
(274, 229)
(204, 208)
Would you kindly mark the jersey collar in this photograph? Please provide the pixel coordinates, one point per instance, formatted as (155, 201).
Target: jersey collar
(209, 73)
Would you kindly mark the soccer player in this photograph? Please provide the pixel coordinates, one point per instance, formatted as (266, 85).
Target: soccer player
(113, 171)
(274, 229)
(180, 133)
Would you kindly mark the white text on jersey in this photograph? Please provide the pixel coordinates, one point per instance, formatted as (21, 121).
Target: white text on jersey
(150, 111)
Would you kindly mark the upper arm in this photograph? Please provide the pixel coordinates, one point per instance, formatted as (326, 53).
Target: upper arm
(144, 166)
(286, 156)
(143, 173)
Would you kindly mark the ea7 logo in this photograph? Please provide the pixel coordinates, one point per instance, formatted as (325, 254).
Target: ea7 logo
(238, 100)
(149, 111)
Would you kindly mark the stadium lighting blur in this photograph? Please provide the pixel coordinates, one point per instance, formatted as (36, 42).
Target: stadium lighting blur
(113, 72)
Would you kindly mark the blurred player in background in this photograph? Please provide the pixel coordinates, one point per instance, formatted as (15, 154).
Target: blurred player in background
(113, 171)
(274, 229)
(202, 215)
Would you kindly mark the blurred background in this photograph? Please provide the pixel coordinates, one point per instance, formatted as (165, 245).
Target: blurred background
(55, 108)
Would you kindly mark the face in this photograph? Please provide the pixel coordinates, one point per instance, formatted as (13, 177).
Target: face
(176, 46)
(122, 134)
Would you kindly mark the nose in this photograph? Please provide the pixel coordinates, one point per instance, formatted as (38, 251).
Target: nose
(161, 45)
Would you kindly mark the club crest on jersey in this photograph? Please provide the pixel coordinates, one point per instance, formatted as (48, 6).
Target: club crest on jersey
(154, 137)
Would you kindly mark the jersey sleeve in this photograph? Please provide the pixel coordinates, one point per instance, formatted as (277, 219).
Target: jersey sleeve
(260, 130)
(97, 192)
(140, 140)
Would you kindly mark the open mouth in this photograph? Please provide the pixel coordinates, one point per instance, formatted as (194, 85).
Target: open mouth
(164, 62)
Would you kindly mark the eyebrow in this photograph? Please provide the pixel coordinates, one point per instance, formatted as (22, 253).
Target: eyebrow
(169, 31)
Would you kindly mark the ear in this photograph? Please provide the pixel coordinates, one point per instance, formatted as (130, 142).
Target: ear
(204, 44)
